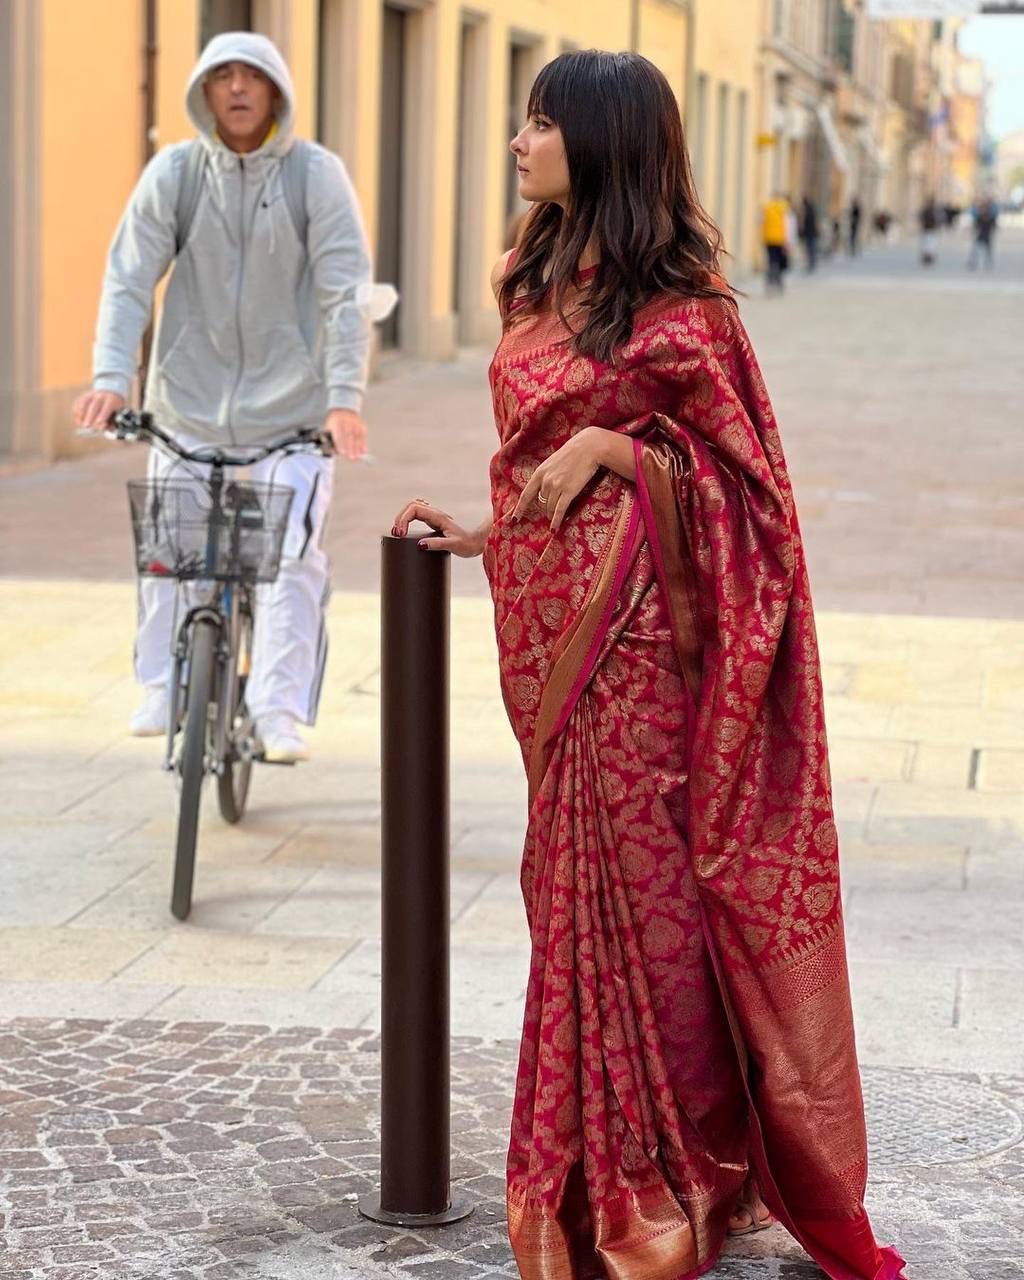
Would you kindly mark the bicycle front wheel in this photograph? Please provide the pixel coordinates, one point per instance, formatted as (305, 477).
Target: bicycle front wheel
(193, 762)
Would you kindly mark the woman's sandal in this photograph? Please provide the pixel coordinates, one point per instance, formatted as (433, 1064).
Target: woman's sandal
(756, 1223)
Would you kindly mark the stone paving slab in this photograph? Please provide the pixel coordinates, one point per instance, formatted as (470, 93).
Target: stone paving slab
(160, 1150)
(286, 916)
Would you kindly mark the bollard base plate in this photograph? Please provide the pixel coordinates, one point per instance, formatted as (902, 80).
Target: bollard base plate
(458, 1209)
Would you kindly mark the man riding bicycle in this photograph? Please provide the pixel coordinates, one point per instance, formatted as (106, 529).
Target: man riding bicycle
(264, 329)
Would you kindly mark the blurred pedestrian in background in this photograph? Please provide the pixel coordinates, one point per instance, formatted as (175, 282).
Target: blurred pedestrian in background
(929, 218)
(986, 218)
(809, 232)
(835, 239)
(853, 242)
(777, 238)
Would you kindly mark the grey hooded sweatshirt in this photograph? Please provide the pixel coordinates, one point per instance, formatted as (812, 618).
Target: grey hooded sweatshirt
(259, 334)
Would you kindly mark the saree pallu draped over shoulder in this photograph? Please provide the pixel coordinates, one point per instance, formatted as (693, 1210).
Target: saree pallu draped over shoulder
(688, 1013)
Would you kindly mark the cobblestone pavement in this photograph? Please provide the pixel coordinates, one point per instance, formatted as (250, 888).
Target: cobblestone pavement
(208, 1151)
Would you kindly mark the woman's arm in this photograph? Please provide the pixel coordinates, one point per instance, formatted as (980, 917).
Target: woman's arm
(448, 535)
(559, 480)
(614, 451)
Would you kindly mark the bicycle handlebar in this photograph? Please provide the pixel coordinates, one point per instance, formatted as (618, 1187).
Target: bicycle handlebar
(130, 424)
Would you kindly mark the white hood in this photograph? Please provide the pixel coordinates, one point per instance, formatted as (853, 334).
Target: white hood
(256, 51)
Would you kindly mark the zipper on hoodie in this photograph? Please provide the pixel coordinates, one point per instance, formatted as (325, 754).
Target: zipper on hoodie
(238, 303)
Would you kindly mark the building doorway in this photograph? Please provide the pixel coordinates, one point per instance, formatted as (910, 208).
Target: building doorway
(218, 16)
(7, 224)
(470, 164)
(522, 71)
(740, 229)
(394, 39)
(20, 427)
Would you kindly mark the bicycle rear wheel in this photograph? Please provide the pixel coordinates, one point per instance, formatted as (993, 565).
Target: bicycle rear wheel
(233, 788)
(193, 762)
(236, 774)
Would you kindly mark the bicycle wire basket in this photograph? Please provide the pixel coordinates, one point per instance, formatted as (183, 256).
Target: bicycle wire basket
(179, 534)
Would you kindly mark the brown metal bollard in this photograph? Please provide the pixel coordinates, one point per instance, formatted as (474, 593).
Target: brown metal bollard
(415, 1026)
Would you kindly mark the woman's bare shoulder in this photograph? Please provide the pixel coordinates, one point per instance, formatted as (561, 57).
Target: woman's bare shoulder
(500, 268)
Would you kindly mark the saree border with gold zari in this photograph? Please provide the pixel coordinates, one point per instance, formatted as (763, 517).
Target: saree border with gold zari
(575, 655)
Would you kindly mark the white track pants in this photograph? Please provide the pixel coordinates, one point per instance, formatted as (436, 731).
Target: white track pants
(290, 644)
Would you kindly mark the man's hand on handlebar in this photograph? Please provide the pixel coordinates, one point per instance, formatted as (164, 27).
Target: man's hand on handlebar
(94, 409)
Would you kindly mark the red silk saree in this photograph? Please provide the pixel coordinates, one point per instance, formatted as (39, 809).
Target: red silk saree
(688, 1014)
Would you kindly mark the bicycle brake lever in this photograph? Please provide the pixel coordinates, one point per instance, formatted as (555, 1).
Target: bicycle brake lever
(323, 440)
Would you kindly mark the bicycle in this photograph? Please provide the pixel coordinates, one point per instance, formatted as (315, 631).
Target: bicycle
(227, 536)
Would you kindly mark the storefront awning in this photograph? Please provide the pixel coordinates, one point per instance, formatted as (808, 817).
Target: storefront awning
(835, 143)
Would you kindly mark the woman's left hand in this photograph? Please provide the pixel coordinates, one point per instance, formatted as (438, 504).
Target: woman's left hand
(560, 479)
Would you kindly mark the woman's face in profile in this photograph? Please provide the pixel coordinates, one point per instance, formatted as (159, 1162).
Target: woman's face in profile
(541, 161)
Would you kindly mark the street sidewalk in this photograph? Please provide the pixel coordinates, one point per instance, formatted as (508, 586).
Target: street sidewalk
(175, 1100)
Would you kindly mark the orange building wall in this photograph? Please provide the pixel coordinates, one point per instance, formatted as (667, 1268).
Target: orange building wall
(178, 49)
(967, 124)
(90, 150)
(302, 61)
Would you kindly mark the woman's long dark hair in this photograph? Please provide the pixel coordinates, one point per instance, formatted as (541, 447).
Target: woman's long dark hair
(631, 192)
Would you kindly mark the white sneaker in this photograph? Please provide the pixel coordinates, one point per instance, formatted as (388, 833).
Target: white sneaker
(282, 742)
(150, 720)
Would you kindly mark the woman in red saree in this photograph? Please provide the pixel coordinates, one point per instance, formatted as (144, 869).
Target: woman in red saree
(688, 1033)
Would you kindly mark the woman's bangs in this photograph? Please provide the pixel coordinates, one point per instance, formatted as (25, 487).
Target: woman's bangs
(548, 95)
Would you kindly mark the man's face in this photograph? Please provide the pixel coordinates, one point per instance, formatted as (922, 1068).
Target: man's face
(243, 101)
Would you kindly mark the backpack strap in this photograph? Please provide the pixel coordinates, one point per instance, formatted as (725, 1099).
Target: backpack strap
(189, 190)
(295, 180)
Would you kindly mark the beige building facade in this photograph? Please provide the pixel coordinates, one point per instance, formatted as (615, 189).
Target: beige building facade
(1009, 168)
(799, 145)
(857, 108)
(722, 118)
(860, 52)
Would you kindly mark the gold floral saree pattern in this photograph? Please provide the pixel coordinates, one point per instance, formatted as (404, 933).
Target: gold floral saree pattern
(688, 1009)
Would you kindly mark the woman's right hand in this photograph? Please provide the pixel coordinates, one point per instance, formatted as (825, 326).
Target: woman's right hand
(448, 536)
